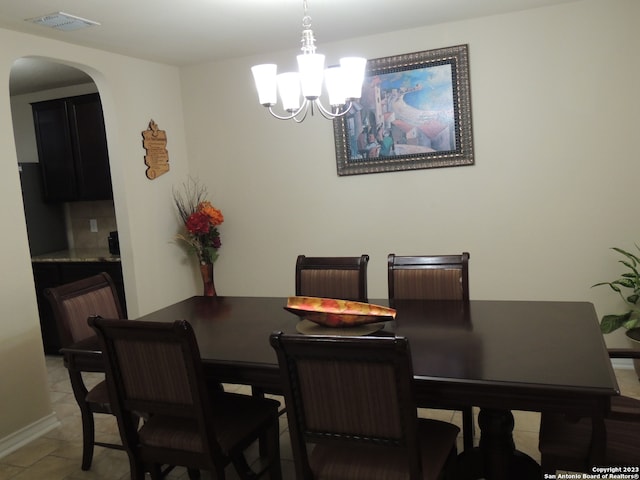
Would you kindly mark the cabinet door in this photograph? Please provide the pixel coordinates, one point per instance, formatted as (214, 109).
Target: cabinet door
(93, 176)
(72, 148)
(55, 150)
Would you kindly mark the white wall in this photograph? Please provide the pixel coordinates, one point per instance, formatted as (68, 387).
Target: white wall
(132, 93)
(555, 110)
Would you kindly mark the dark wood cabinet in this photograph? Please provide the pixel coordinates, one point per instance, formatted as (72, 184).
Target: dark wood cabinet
(72, 148)
(52, 274)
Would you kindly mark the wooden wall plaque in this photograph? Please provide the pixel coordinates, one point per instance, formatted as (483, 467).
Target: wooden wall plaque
(157, 157)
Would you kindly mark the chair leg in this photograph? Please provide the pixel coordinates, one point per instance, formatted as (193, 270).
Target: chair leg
(242, 467)
(88, 436)
(194, 473)
(88, 433)
(467, 428)
(259, 393)
(273, 449)
(547, 470)
(156, 472)
(220, 473)
(137, 469)
(451, 470)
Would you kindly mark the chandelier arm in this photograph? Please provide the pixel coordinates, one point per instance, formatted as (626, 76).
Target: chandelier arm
(347, 110)
(300, 120)
(293, 115)
(329, 115)
(304, 109)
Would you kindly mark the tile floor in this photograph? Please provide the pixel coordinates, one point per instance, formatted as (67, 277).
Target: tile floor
(56, 455)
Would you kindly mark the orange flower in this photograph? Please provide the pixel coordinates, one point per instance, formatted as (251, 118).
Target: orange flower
(215, 215)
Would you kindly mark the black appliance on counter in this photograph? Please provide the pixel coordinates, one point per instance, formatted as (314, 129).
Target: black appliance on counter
(114, 243)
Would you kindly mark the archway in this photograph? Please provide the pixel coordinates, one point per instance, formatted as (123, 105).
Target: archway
(82, 226)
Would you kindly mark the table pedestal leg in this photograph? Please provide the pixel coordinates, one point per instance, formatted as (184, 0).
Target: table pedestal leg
(496, 457)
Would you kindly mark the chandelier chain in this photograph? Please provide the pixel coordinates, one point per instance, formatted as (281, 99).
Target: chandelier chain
(308, 41)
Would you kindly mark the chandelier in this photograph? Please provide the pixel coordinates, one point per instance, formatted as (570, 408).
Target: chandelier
(343, 82)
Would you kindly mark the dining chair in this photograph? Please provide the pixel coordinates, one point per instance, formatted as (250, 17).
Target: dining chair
(352, 412)
(574, 444)
(154, 370)
(433, 277)
(72, 304)
(430, 277)
(332, 277)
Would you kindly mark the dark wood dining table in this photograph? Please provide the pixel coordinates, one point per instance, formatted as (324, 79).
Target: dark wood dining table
(496, 355)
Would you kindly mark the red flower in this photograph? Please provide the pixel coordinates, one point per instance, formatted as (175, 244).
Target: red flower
(198, 223)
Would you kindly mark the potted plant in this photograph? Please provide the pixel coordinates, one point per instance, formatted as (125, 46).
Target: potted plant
(628, 287)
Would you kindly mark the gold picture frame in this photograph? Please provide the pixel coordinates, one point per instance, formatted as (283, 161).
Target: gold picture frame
(414, 113)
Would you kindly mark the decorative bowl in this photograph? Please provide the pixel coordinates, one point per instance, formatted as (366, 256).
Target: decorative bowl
(336, 313)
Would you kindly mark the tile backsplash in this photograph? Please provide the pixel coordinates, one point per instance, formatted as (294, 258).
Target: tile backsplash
(79, 216)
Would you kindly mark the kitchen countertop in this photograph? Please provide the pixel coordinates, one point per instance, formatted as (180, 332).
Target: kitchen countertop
(78, 255)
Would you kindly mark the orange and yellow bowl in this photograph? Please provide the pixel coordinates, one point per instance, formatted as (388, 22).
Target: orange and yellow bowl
(332, 312)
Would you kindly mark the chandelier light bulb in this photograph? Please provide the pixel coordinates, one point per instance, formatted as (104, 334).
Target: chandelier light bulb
(289, 89)
(265, 79)
(311, 68)
(334, 80)
(353, 69)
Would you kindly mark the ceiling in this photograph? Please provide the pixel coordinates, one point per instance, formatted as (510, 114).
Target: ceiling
(183, 32)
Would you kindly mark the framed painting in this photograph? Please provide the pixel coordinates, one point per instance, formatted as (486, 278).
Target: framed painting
(414, 112)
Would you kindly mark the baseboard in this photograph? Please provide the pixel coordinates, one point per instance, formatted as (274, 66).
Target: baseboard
(28, 434)
(622, 363)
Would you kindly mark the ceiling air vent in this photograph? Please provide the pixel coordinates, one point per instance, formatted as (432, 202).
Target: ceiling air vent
(63, 21)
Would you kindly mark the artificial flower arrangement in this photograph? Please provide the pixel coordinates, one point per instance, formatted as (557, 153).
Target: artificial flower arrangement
(201, 220)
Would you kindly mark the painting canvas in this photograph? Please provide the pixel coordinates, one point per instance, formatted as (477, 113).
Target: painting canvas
(414, 112)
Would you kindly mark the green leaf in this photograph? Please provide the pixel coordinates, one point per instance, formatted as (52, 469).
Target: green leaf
(609, 323)
(611, 284)
(630, 266)
(625, 282)
(629, 255)
(631, 323)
